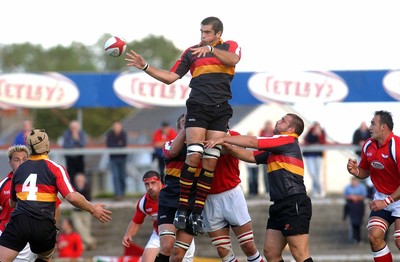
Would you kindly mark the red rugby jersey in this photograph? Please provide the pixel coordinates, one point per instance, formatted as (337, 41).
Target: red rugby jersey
(383, 163)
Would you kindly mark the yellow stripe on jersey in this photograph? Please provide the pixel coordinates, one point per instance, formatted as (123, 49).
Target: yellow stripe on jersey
(283, 165)
(41, 197)
(212, 69)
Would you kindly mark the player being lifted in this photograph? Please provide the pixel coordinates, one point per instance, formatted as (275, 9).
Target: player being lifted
(212, 66)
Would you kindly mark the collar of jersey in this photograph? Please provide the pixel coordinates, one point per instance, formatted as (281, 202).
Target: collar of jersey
(219, 42)
(290, 134)
(38, 157)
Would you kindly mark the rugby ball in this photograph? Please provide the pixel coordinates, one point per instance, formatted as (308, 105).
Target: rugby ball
(115, 46)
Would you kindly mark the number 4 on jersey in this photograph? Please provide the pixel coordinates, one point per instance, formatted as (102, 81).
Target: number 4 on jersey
(30, 187)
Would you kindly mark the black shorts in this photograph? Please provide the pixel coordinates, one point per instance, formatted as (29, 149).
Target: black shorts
(384, 214)
(166, 215)
(23, 229)
(291, 216)
(215, 117)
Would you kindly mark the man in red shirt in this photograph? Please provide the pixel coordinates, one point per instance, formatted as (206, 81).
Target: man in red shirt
(16, 155)
(225, 195)
(69, 242)
(147, 205)
(380, 160)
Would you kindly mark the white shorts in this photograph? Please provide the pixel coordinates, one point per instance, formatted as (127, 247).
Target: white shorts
(225, 208)
(154, 242)
(26, 255)
(393, 208)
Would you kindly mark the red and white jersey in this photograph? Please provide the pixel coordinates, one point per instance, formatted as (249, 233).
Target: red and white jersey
(146, 206)
(226, 174)
(383, 163)
(5, 193)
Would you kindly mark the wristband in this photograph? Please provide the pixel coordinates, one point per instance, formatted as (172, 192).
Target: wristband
(211, 48)
(146, 66)
(388, 200)
(357, 173)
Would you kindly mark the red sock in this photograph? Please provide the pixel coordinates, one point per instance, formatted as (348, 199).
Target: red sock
(383, 255)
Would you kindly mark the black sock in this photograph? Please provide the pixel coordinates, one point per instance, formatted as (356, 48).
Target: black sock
(161, 258)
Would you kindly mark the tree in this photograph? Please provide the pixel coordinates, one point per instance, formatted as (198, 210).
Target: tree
(78, 57)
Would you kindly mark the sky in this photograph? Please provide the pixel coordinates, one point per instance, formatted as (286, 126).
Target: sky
(274, 35)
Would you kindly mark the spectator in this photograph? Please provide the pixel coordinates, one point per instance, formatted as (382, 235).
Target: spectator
(20, 138)
(83, 220)
(355, 194)
(267, 130)
(74, 137)
(252, 170)
(160, 137)
(117, 138)
(315, 136)
(360, 135)
(69, 242)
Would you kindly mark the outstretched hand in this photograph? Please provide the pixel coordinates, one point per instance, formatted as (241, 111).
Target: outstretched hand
(213, 142)
(101, 214)
(201, 50)
(135, 60)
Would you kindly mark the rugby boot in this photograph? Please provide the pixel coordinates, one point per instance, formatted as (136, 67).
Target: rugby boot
(197, 223)
(180, 219)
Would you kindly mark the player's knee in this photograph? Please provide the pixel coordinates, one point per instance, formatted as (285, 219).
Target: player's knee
(179, 251)
(182, 245)
(396, 236)
(45, 256)
(222, 241)
(224, 247)
(40, 260)
(376, 230)
(214, 152)
(377, 224)
(167, 239)
(195, 149)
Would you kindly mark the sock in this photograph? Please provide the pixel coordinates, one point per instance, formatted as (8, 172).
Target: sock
(186, 182)
(255, 258)
(309, 260)
(161, 258)
(383, 255)
(203, 187)
(230, 257)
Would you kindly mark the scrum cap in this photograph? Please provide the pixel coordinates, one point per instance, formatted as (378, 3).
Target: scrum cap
(38, 141)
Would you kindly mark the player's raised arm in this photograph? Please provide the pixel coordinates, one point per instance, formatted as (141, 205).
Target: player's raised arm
(243, 141)
(137, 61)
